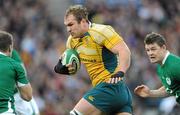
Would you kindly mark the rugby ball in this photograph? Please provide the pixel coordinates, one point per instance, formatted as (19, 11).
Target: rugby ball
(70, 56)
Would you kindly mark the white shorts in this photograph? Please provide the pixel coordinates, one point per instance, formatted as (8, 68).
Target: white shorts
(7, 113)
(23, 107)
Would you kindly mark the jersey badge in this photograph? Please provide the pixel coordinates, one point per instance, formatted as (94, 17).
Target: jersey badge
(168, 80)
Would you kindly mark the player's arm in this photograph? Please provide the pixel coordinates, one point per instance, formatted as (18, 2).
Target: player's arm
(25, 91)
(114, 42)
(64, 69)
(60, 68)
(161, 92)
(123, 52)
(144, 91)
(22, 82)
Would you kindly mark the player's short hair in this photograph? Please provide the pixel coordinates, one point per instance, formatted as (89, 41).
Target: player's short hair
(6, 40)
(78, 11)
(153, 37)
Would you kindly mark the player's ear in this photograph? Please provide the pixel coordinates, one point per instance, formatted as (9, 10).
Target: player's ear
(10, 49)
(164, 47)
(83, 21)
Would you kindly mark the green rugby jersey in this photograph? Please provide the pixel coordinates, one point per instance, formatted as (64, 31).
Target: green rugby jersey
(11, 73)
(16, 56)
(169, 73)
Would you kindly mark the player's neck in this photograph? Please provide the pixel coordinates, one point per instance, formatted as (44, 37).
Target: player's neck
(165, 55)
(85, 29)
(5, 53)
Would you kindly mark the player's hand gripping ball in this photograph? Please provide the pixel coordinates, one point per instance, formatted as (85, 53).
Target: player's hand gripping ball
(71, 57)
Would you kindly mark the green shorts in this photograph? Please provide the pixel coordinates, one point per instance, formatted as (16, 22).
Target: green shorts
(110, 98)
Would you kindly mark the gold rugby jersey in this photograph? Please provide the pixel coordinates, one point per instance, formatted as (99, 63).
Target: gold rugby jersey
(94, 51)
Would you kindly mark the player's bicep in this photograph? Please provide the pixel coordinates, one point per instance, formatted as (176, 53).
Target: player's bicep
(120, 47)
(21, 74)
(112, 41)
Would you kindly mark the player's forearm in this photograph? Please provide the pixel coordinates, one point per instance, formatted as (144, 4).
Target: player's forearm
(26, 92)
(125, 60)
(61, 69)
(161, 92)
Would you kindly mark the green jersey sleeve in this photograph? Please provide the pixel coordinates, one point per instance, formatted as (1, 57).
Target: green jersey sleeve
(176, 68)
(20, 69)
(16, 56)
(21, 77)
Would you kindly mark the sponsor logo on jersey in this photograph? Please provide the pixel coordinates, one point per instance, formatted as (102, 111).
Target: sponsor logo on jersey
(91, 98)
(169, 90)
(86, 51)
(168, 80)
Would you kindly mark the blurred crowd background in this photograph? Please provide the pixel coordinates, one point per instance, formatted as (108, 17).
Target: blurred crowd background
(40, 37)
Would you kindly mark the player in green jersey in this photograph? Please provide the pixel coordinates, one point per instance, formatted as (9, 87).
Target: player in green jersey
(12, 75)
(23, 107)
(106, 57)
(168, 68)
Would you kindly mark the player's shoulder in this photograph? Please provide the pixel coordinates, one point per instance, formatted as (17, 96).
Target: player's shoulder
(6, 58)
(173, 61)
(174, 57)
(101, 27)
(98, 27)
(101, 30)
(9, 61)
(14, 62)
(16, 56)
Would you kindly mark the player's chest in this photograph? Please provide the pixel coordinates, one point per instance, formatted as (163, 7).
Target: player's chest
(87, 46)
(166, 77)
(89, 51)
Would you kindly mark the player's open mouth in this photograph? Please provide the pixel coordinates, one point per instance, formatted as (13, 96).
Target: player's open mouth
(152, 58)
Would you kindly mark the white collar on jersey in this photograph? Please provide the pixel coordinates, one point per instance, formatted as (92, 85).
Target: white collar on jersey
(3, 53)
(167, 54)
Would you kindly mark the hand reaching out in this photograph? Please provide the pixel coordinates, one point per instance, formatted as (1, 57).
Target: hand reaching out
(142, 91)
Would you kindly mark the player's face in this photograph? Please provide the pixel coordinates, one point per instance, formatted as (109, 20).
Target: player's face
(73, 27)
(155, 52)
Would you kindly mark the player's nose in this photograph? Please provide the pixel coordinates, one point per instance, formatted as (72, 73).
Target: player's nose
(69, 30)
(150, 53)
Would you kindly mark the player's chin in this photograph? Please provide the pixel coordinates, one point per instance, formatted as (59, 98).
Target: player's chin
(153, 61)
(73, 35)
(76, 35)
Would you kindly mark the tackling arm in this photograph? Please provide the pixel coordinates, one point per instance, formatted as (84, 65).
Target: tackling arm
(161, 92)
(144, 91)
